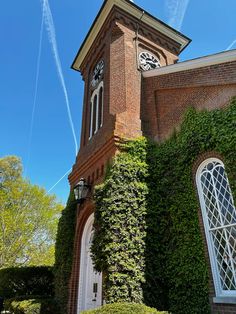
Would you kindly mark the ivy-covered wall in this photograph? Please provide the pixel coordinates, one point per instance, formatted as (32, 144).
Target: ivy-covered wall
(119, 242)
(148, 241)
(64, 253)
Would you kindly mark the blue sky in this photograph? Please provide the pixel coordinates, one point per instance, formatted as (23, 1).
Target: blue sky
(50, 150)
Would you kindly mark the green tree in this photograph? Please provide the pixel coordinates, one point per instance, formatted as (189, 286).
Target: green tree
(28, 218)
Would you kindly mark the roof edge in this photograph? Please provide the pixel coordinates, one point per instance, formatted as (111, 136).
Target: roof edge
(135, 11)
(214, 59)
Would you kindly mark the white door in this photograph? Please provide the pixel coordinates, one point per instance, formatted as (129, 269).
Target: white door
(90, 283)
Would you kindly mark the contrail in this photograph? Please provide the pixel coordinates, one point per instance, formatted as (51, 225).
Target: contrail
(35, 95)
(231, 45)
(176, 11)
(52, 38)
(59, 181)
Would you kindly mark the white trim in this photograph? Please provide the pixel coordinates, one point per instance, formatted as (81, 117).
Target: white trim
(220, 294)
(222, 57)
(226, 300)
(83, 279)
(136, 12)
(102, 104)
(91, 119)
(95, 93)
(206, 224)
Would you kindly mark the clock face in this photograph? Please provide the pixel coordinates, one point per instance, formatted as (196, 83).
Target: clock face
(148, 62)
(97, 73)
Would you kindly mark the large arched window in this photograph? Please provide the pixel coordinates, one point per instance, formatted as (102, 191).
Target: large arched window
(219, 216)
(96, 110)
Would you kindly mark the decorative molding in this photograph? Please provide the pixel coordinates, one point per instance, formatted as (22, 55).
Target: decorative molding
(222, 57)
(134, 11)
(224, 300)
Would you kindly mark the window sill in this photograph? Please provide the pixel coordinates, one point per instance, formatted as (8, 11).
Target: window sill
(225, 300)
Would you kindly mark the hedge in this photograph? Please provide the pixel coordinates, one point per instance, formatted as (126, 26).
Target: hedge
(32, 306)
(124, 308)
(26, 281)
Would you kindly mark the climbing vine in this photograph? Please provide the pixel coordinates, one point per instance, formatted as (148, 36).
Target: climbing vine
(148, 241)
(119, 241)
(64, 253)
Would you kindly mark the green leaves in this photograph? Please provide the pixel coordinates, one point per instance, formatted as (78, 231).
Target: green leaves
(148, 241)
(119, 241)
(64, 253)
(28, 219)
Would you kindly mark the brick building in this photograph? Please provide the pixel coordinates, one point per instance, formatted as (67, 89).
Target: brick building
(135, 86)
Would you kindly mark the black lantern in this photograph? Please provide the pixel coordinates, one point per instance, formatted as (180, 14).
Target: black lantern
(81, 190)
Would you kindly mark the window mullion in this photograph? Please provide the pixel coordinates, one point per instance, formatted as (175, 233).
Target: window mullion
(91, 119)
(97, 106)
(224, 228)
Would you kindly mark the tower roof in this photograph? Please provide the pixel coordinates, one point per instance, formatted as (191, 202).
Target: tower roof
(135, 11)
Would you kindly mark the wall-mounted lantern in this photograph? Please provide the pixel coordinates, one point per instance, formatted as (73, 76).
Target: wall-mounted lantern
(81, 190)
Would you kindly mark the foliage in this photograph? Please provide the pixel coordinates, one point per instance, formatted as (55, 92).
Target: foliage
(119, 242)
(28, 218)
(146, 219)
(124, 308)
(26, 281)
(64, 252)
(32, 306)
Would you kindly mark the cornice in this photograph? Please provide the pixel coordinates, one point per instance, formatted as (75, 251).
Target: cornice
(81, 167)
(134, 11)
(219, 58)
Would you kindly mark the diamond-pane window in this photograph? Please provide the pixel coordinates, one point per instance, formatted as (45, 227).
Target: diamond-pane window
(219, 216)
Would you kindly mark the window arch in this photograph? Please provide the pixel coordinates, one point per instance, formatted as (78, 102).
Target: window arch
(96, 110)
(219, 217)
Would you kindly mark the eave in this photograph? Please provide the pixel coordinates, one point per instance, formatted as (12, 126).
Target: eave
(134, 11)
(201, 62)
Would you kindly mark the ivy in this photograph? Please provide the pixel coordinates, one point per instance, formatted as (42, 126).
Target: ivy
(64, 253)
(147, 238)
(119, 241)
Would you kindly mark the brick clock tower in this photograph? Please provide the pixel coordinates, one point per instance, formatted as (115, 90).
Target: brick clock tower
(123, 42)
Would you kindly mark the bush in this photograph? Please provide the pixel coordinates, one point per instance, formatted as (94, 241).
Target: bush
(26, 281)
(31, 306)
(124, 308)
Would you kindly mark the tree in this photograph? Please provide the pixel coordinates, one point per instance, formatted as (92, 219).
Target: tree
(28, 218)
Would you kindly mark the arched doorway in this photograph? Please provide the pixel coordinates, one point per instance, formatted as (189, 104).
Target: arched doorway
(90, 281)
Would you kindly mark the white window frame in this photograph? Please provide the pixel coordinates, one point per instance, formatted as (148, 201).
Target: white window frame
(94, 94)
(222, 296)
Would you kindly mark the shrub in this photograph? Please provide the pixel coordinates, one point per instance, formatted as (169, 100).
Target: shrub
(26, 281)
(31, 306)
(124, 308)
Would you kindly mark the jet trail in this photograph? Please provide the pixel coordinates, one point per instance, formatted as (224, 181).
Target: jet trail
(231, 45)
(35, 95)
(176, 11)
(48, 19)
(59, 181)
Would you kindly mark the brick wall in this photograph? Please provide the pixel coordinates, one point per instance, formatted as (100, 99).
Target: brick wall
(165, 98)
(118, 44)
(83, 214)
(132, 106)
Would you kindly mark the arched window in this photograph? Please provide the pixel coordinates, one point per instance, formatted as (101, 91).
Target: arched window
(219, 216)
(96, 110)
